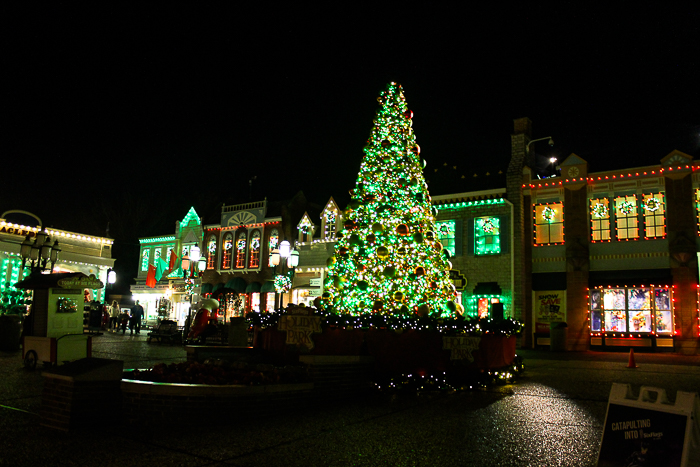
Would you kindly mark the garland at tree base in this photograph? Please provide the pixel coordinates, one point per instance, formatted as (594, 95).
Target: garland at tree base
(451, 382)
(447, 326)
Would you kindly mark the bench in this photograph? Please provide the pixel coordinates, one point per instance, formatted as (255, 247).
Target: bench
(166, 331)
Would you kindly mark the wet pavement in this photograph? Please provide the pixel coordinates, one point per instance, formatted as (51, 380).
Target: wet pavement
(552, 417)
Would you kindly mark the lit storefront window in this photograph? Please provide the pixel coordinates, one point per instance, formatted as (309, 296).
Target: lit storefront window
(600, 219)
(654, 215)
(270, 302)
(549, 223)
(255, 302)
(480, 306)
(626, 221)
(631, 310)
(487, 231)
(446, 235)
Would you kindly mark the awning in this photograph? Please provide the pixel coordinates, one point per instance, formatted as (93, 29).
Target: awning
(268, 287)
(487, 288)
(206, 288)
(253, 287)
(217, 287)
(237, 284)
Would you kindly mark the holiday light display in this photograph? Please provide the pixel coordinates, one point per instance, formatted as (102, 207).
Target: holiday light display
(389, 260)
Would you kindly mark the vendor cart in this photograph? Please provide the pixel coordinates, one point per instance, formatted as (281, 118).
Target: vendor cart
(53, 332)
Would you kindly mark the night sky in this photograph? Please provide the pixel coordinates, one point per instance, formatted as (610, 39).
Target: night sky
(132, 116)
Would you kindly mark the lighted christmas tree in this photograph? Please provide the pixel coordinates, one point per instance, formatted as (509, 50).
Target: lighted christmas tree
(388, 259)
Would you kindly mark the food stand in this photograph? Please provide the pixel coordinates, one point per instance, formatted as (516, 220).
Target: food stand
(54, 328)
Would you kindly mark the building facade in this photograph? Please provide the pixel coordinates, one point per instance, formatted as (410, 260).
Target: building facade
(79, 253)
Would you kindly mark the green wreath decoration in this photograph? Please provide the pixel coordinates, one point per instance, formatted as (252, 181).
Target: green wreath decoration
(600, 210)
(626, 207)
(652, 204)
(548, 214)
(488, 226)
(282, 283)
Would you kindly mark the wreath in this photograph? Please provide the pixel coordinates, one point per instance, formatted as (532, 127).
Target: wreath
(488, 226)
(548, 214)
(652, 204)
(240, 245)
(600, 210)
(626, 207)
(282, 283)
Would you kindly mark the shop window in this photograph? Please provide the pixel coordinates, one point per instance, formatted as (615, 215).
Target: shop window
(330, 222)
(631, 310)
(255, 250)
(156, 255)
(549, 224)
(600, 220)
(211, 252)
(654, 215)
(481, 306)
(487, 231)
(240, 250)
(270, 302)
(306, 229)
(145, 257)
(274, 239)
(255, 302)
(446, 235)
(227, 251)
(626, 222)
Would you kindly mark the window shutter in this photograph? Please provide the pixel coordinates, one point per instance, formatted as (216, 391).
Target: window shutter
(504, 235)
(470, 237)
(458, 237)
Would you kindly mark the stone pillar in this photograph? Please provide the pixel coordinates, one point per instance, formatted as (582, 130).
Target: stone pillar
(576, 235)
(680, 222)
(520, 138)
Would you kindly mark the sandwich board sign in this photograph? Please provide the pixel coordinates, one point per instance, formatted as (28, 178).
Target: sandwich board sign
(648, 430)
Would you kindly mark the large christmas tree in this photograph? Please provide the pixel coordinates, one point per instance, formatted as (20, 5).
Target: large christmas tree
(388, 259)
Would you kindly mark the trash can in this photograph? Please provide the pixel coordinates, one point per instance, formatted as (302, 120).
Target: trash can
(557, 336)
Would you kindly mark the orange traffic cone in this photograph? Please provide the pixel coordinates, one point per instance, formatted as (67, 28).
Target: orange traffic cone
(631, 363)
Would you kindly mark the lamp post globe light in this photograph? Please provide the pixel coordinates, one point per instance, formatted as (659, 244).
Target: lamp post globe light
(40, 252)
(283, 281)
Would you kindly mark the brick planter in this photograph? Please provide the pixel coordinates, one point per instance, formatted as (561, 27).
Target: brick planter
(159, 404)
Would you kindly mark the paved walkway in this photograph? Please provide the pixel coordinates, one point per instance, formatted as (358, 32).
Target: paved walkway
(552, 417)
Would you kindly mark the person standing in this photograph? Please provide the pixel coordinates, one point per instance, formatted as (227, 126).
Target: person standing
(136, 316)
(123, 320)
(114, 312)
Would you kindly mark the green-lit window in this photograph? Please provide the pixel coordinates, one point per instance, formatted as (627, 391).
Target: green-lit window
(487, 232)
(145, 257)
(446, 235)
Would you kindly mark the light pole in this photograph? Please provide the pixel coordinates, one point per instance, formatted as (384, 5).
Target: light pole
(111, 280)
(283, 282)
(197, 259)
(40, 252)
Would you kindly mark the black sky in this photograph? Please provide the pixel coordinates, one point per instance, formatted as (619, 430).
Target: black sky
(132, 116)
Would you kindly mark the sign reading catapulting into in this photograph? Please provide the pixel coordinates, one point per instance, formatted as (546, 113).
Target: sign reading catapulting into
(461, 347)
(299, 325)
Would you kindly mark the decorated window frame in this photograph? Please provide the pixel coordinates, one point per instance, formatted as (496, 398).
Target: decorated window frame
(626, 218)
(631, 311)
(273, 240)
(331, 217)
(306, 229)
(654, 210)
(446, 234)
(254, 246)
(600, 219)
(227, 251)
(211, 252)
(487, 236)
(145, 258)
(549, 223)
(697, 208)
(240, 246)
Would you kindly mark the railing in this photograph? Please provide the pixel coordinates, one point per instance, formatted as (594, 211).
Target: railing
(244, 206)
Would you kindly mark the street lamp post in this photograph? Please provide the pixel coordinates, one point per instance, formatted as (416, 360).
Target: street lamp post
(284, 252)
(40, 252)
(188, 262)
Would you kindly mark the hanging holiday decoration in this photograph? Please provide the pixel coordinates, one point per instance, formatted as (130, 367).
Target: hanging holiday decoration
(488, 226)
(548, 214)
(600, 211)
(283, 283)
(652, 204)
(240, 245)
(389, 260)
(626, 207)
